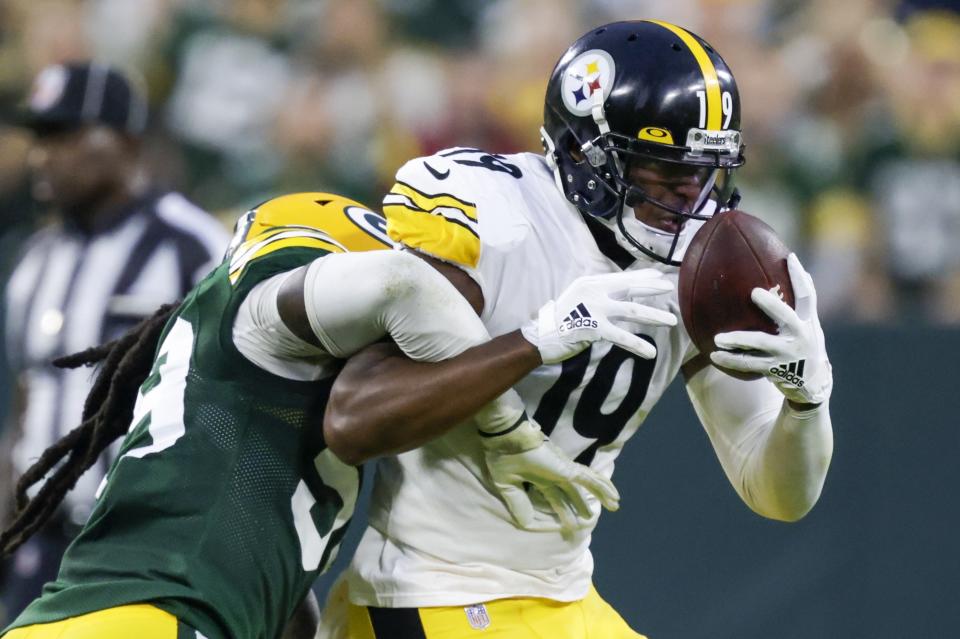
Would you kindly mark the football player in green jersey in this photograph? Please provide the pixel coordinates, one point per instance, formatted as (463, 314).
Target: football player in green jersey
(228, 496)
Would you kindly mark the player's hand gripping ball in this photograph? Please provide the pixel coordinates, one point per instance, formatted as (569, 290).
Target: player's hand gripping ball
(733, 253)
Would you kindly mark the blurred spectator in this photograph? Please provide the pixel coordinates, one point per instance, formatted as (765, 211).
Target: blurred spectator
(451, 24)
(916, 187)
(851, 106)
(128, 32)
(49, 31)
(883, 176)
(119, 248)
(522, 40)
(335, 117)
(231, 71)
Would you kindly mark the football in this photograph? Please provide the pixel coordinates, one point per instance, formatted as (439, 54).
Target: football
(732, 253)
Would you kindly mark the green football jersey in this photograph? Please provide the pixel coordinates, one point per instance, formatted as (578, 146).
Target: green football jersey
(224, 504)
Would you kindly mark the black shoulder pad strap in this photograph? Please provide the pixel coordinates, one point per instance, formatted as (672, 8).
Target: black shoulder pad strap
(607, 243)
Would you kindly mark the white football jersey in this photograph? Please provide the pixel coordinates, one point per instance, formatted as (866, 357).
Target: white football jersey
(437, 534)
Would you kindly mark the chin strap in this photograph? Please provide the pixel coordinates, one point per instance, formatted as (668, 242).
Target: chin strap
(550, 154)
(643, 249)
(549, 149)
(734, 200)
(596, 110)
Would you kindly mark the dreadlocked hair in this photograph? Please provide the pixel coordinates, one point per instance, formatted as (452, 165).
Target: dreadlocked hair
(124, 365)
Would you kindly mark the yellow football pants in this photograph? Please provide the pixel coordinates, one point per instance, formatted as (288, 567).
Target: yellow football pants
(589, 618)
(141, 621)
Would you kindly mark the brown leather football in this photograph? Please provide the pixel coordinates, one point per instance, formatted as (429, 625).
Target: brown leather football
(730, 255)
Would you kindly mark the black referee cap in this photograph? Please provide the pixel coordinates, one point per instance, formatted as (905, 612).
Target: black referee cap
(67, 96)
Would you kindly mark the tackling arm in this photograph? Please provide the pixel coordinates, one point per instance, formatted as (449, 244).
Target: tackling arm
(776, 457)
(346, 302)
(384, 403)
(452, 370)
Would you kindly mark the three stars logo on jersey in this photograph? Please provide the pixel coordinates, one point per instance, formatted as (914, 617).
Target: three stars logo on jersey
(588, 73)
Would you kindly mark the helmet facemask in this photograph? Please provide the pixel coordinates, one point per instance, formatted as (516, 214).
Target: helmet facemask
(595, 175)
(651, 95)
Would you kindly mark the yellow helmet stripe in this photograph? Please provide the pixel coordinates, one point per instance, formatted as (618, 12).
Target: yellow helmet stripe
(269, 242)
(710, 79)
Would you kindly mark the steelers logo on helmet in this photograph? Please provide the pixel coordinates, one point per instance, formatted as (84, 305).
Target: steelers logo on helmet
(589, 72)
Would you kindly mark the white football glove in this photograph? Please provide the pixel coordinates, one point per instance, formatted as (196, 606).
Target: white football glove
(796, 358)
(522, 455)
(583, 314)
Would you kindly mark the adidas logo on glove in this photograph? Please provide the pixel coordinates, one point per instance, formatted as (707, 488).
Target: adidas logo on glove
(792, 373)
(578, 318)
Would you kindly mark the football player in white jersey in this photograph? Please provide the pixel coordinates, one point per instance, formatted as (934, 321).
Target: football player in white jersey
(641, 128)
(218, 397)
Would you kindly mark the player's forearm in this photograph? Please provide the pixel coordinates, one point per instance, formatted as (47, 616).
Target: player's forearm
(786, 473)
(381, 402)
(384, 402)
(774, 456)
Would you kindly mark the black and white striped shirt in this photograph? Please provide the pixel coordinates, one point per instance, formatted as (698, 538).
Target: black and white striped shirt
(73, 290)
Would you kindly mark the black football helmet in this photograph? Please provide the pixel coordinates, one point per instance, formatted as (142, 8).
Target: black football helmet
(640, 91)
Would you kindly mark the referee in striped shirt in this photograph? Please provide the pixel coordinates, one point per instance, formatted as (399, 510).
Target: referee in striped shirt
(119, 249)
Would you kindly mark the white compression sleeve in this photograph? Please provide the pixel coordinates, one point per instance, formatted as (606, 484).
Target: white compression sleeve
(355, 299)
(260, 334)
(774, 456)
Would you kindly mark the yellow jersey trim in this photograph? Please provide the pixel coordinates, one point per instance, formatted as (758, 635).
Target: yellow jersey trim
(435, 235)
(439, 224)
(121, 622)
(430, 203)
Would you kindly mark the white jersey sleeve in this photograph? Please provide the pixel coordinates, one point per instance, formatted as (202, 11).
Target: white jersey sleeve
(776, 458)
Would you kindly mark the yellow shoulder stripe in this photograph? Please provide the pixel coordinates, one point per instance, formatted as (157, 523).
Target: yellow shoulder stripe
(710, 79)
(441, 225)
(430, 203)
(432, 234)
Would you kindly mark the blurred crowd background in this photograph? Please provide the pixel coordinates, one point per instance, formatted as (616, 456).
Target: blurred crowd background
(851, 116)
(851, 110)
